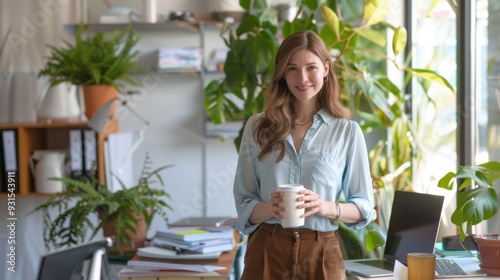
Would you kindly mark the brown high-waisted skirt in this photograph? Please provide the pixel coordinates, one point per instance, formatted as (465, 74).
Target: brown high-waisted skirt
(275, 253)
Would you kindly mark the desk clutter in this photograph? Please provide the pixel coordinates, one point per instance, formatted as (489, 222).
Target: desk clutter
(191, 241)
(187, 251)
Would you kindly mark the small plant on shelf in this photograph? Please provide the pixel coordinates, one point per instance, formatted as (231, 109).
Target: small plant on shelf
(95, 59)
(101, 63)
(125, 211)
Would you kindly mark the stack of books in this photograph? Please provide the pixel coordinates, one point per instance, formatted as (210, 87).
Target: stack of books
(178, 59)
(189, 242)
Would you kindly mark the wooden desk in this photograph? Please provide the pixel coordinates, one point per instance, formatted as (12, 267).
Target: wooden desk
(226, 260)
(356, 277)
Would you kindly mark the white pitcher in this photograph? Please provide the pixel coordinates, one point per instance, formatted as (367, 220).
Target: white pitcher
(47, 164)
(59, 103)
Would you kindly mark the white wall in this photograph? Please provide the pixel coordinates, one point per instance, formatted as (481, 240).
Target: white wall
(172, 103)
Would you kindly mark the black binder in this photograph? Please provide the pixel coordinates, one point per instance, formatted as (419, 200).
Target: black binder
(3, 179)
(10, 160)
(90, 153)
(83, 153)
(76, 154)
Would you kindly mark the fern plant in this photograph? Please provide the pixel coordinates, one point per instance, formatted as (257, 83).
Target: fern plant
(98, 59)
(87, 205)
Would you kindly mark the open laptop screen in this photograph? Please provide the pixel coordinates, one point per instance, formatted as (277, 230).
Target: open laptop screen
(415, 230)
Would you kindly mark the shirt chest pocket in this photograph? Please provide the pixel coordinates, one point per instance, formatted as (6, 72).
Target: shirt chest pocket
(328, 170)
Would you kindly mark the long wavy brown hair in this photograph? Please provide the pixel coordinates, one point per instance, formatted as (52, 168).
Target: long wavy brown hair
(278, 121)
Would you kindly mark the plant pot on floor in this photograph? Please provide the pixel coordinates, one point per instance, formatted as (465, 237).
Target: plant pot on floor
(489, 251)
(96, 96)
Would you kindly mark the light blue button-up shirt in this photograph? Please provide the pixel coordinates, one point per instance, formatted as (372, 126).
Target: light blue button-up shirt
(332, 159)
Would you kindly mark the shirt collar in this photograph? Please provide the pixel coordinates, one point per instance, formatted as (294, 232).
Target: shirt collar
(325, 116)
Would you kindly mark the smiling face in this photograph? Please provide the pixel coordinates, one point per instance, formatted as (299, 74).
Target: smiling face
(304, 74)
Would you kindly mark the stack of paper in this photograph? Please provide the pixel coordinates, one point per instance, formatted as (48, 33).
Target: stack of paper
(161, 253)
(189, 243)
(150, 268)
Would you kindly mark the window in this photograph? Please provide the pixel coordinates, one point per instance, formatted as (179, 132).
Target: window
(435, 44)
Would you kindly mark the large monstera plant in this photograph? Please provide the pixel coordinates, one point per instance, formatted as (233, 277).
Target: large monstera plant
(357, 33)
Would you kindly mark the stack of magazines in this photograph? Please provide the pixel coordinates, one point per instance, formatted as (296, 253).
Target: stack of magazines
(189, 242)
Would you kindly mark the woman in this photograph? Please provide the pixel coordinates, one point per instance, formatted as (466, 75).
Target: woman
(303, 137)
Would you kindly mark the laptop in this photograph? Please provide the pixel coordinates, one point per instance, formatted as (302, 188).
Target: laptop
(75, 262)
(459, 267)
(413, 227)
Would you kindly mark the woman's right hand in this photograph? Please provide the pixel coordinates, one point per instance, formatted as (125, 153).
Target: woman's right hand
(274, 204)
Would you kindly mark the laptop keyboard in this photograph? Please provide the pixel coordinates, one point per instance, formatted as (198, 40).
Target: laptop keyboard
(448, 267)
(384, 264)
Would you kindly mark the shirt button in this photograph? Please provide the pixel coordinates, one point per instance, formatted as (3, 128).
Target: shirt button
(297, 234)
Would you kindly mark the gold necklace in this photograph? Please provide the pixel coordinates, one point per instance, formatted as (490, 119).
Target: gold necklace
(304, 123)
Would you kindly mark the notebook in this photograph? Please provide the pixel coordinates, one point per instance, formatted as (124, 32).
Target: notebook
(413, 227)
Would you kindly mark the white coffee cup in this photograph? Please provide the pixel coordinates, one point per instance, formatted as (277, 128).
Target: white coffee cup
(292, 215)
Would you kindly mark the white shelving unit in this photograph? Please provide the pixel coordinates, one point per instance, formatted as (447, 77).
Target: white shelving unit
(179, 34)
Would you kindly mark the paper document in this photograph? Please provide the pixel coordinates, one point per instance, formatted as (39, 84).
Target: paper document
(159, 253)
(400, 271)
(128, 271)
(161, 266)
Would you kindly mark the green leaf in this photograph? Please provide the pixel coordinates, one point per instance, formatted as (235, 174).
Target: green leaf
(312, 4)
(446, 182)
(474, 206)
(373, 36)
(474, 173)
(250, 23)
(378, 98)
(259, 5)
(399, 40)
(492, 171)
(233, 69)
(268, 16)
(331, 20)
(431, 76)
(374, 239)
(258, 53)
(245, 4)
(376, 11)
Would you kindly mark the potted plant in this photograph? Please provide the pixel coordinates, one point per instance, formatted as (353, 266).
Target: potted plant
(477, 201)
(125, 214)
(101, 63)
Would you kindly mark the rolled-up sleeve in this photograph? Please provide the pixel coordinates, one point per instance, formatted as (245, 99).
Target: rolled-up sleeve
(246, 189)
(357, 182)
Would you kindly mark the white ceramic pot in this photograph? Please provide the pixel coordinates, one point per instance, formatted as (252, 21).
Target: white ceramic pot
(60, 103)
(223, 9)
(46, 164)
(149, 11)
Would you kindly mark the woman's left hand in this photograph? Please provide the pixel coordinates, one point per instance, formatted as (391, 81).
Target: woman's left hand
(313, 203)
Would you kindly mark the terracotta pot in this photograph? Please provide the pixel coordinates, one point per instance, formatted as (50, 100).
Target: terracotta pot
(95, 96)
(489, 251)
(109, 229)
